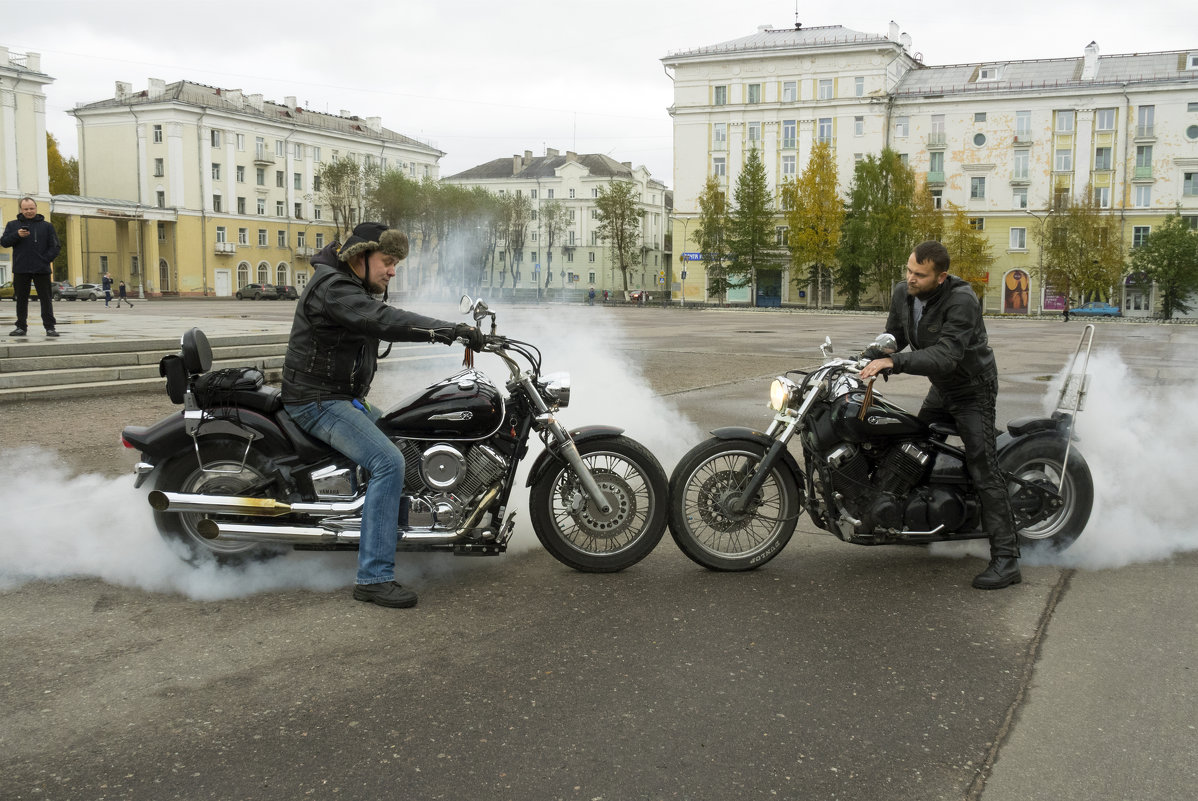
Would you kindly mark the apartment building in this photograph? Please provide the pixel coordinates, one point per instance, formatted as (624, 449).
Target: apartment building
(23, 165)
(999, 139)
(213, 188)
(580, 259)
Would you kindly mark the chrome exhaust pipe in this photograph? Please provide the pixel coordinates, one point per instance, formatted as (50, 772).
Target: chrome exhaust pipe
(315, 535)
(250, 507)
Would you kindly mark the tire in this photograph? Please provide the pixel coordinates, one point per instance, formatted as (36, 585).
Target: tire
(707, 531)
(588, 540)
(182, 474)
(1039, 461)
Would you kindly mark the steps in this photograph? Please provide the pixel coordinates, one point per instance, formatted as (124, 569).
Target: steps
(30, 372)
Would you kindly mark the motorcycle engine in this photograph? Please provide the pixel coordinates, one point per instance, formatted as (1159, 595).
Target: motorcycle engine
(876, 493)
(443, 478)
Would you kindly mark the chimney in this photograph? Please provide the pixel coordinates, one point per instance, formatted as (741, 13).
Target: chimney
(517, 164)
(345, 113)
(123, 89)
(1090, 67)
(33, 62)
(234, 96)
(4, 62)
(255, 101)
(157, 88)
(289, 102)
(571, 155)
(894, 31)
(375, 124)
(762, 28)
(549, 151)
(627, 164)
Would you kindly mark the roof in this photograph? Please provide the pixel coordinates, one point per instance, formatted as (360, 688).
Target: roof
(542, 167)
(234, 101)
(1046, 73)
(787, 39)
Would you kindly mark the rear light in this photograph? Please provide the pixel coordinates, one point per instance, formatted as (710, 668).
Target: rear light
(126, 443)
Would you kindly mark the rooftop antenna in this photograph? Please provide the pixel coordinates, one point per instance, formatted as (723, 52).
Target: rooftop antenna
(798, 25)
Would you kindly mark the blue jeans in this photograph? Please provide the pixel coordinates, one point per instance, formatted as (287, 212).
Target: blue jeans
(353, 433)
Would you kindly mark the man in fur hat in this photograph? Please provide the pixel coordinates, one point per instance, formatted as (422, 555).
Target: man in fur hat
(331, 359)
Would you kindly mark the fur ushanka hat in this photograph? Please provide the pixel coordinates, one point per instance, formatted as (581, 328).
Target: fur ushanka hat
(370, 236)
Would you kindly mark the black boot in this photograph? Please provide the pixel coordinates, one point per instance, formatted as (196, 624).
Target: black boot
(1003, 571)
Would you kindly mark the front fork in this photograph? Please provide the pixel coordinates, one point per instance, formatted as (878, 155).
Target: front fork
(783, 427)
(566, 448)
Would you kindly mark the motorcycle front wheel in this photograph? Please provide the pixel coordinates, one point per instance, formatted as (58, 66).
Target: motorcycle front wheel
(703, 485)
(1039, 461)
(579, 534)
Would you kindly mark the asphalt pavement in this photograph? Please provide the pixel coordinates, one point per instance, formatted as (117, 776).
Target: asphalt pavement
(833, 672)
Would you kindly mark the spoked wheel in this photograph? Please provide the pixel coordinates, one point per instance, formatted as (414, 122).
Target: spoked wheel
(702, 521)
(580, 534)
(1039, 461)
(224, 474)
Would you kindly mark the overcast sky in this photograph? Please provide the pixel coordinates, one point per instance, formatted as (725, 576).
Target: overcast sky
(484, 80)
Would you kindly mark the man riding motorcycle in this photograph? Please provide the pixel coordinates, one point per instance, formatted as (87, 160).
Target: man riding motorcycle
(939, 316)
(330, 362)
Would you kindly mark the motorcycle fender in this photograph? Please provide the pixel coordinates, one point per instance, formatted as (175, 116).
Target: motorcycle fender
(580, 435)
(737, 432)
(1025, 428)
(169, 435)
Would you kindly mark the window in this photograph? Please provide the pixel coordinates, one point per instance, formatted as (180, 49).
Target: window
(216, 138)
(261, 206)
(1104, 119)
(280, 208)
(315, 183)
(159, 168)
(717, 167)
(549, 194)
(937, 199)
(1189, 107)
(279, 179)
(216, 203)
(300, 239)
(298, 151)
(241, 141)
(240, 174)
(1064, 160)
(988, 74)
(221, 237)
(824, 129)
(977, 223)
(319, 240)
(161, 198)
(1143, 197)
(788, 133)
(781, 236)
(1189, 184)
(158, 134)
(1102, 197)
(1139, 235)
(1019, 198)
(937, 132)
(216, 172)
(901, 126)
(571, 194)
(936, 162)
(1065, 122)
(754, 93)
(1018, 239)
(720, 95)
(1020, 165)
(1192, 61)
(979, 116)
(788, 167)
(754, 132)
(261, 237)
(104, 259)
(1144, 119)
(977, 188)
(979, 139)
(858, 126)
(532, 194)
(1192, 132)
(790, 91)
(282, 238)
(1191, 221)
(299, 211)
(297, 181)
(1102, 158)
(241, 205)
(591, 257)
(594, 214)
(260, 174)
(279, 148)
(594, 191)
(719, 136)
(243, 236)
(1023, 124)
(316, 215)
(825, 89)
(316, 154)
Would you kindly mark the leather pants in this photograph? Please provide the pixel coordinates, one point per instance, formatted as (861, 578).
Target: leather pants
(971, 410)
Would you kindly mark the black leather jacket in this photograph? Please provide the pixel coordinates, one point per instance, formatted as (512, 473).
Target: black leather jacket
(951, 347)
(34, 253)
(333, 350)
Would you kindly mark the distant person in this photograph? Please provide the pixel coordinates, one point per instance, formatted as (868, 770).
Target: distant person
(107, 282)
(1065, 311)
(605, 296)
(123, 296)
(34, 247)
(591, 297)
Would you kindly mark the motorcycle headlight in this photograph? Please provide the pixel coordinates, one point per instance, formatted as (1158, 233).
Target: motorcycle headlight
(782, 391)
(556, 388)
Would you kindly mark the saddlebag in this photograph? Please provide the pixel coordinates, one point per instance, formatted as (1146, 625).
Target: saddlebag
(236, 386)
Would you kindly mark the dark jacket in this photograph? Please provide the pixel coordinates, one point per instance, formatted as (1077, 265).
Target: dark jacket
(333, 350)
(951, 347)
(34, 253)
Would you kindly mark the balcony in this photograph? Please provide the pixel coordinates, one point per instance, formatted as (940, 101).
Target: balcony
(936, 178)
(1142, 174)
(225, 247)
(937, 140)
(1145, 132)
(1020, 179)
(1022, 138)
(305, 252)
(263, 157)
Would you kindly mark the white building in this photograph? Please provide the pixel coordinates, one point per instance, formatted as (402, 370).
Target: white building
(23, 164)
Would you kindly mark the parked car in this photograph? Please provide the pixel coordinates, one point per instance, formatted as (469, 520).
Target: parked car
(7, 291)
(87, 292)
(62, 289)
(258, 292)
(1096, 309)
(288, 292)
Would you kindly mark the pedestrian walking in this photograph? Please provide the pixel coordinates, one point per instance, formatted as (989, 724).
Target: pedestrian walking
(106, 280)
(34, 246)
(1065, 311)
(122, 296)
(591, 297)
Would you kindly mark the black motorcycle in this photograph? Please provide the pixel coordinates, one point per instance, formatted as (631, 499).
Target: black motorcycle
(234, 477)
(872, 473)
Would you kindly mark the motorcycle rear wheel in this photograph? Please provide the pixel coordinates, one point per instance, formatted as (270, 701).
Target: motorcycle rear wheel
(705, 529)
(1039, 460)
(183, 474)
(581, 536)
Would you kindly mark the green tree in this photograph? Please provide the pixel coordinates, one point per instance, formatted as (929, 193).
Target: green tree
(1170, 258)
(346, 188)
(878, 234)
(64, 180)
(619, 209)
(814, 215)
(516, 211)
(927, 221)
(968, 249)
(751, 224)
(1079, 246)
(555, 219)
(710, 237)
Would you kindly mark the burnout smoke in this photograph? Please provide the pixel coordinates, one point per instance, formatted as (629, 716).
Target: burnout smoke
(60, 525)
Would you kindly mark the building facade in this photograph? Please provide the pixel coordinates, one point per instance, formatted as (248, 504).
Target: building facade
(24, 169)
(213, 189)
(580, 259)
(999, 139)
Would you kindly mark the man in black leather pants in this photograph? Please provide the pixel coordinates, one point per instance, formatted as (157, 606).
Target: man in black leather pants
(939, 316)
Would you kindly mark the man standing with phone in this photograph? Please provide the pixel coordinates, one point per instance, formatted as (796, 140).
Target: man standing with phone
(34, 247)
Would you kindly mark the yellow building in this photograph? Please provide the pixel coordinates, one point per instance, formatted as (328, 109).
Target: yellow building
(195, 190)
(23, 166)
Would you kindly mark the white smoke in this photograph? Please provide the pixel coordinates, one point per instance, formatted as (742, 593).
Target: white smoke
(59, 525)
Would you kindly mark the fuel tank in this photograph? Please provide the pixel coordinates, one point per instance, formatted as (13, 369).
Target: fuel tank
(465, 406)
(883, 419)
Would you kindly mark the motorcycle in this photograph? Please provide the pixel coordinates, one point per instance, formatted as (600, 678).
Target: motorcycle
(872, 473)
(235, 478)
